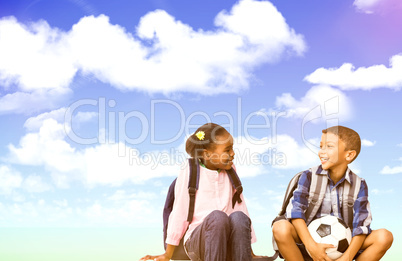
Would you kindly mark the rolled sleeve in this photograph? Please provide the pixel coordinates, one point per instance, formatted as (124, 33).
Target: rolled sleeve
(362, 212)
(299, 202)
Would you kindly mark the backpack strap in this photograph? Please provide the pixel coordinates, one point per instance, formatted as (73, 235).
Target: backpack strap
(193, 186)
(236, 183)
(294, 182)
(318, 186)
(350, 192)
(289, 192)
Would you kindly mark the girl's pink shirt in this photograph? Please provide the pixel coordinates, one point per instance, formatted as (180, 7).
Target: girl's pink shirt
(215, 192)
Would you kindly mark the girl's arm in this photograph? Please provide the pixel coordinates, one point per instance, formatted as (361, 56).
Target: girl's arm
(164, 257)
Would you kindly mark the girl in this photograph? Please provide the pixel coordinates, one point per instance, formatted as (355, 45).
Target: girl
(218, 231)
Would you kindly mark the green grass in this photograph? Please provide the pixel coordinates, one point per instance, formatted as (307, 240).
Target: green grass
(106, 244)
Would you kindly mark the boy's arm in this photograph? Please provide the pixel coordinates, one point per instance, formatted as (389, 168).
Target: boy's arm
(316, 250)
(361, 212)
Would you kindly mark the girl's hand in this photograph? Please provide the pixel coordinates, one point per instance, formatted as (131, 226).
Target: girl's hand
(255, 256)
(156, 258)
(317, 251)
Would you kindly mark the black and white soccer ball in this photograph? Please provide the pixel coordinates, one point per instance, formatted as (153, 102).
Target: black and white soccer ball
(331, 230)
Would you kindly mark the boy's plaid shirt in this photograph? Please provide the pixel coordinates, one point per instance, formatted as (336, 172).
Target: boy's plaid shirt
(332, 202)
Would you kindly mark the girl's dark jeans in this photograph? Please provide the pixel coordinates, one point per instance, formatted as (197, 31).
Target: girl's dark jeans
(221, 237)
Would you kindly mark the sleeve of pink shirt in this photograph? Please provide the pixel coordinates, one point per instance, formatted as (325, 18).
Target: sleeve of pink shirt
(178, 224)
(243, 208)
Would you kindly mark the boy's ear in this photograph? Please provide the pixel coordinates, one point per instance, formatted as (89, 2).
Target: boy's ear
(351, 154)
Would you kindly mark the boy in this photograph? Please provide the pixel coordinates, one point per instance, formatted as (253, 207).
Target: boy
(339, 146)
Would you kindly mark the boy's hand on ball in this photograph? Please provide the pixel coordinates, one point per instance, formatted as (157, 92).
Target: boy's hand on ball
(317, 251)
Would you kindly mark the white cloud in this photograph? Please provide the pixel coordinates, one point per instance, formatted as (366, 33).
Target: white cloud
(34, 57)
(164, 55)
(30, 102)
(319, 103)
(36, 122)
(9, 180)
(368, 143)
(347, 77)
(366, 6)
(377, 6)
(381, 192)
(391, 170)
(387, 170)
(104, 164)
(249, 17)
(121, 195)
(35, 184)
(85, 116)
(61, 203)
(46, 147)
(62, 115)
(12, 182)
(58, 213)
(128, 213)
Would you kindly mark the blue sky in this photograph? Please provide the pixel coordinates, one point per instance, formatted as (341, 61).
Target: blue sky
(98, 97)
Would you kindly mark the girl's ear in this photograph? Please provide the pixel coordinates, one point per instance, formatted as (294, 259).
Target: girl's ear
(350, 155)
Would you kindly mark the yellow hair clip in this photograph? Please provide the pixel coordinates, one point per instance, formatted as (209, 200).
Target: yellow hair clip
(200, 135)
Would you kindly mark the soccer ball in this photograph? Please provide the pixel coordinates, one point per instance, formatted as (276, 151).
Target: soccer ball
(331, 230)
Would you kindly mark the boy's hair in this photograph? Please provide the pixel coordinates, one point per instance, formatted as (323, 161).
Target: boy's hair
(350, 137)
(196, 146)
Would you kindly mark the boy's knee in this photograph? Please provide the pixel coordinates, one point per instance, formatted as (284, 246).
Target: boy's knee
(282, 230)
(385, 238)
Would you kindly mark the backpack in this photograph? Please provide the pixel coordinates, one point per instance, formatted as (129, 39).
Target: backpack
(194, 173)
(318, 187)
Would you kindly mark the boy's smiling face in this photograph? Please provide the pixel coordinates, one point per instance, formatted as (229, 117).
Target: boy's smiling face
(332, 152)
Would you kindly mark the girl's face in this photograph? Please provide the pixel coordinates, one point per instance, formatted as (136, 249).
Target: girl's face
(221, 154)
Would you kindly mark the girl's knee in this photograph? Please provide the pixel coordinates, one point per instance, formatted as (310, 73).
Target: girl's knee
(239, 217)
(218, 218)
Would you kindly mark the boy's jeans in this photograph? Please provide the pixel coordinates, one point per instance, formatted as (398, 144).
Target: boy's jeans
(221, 237)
